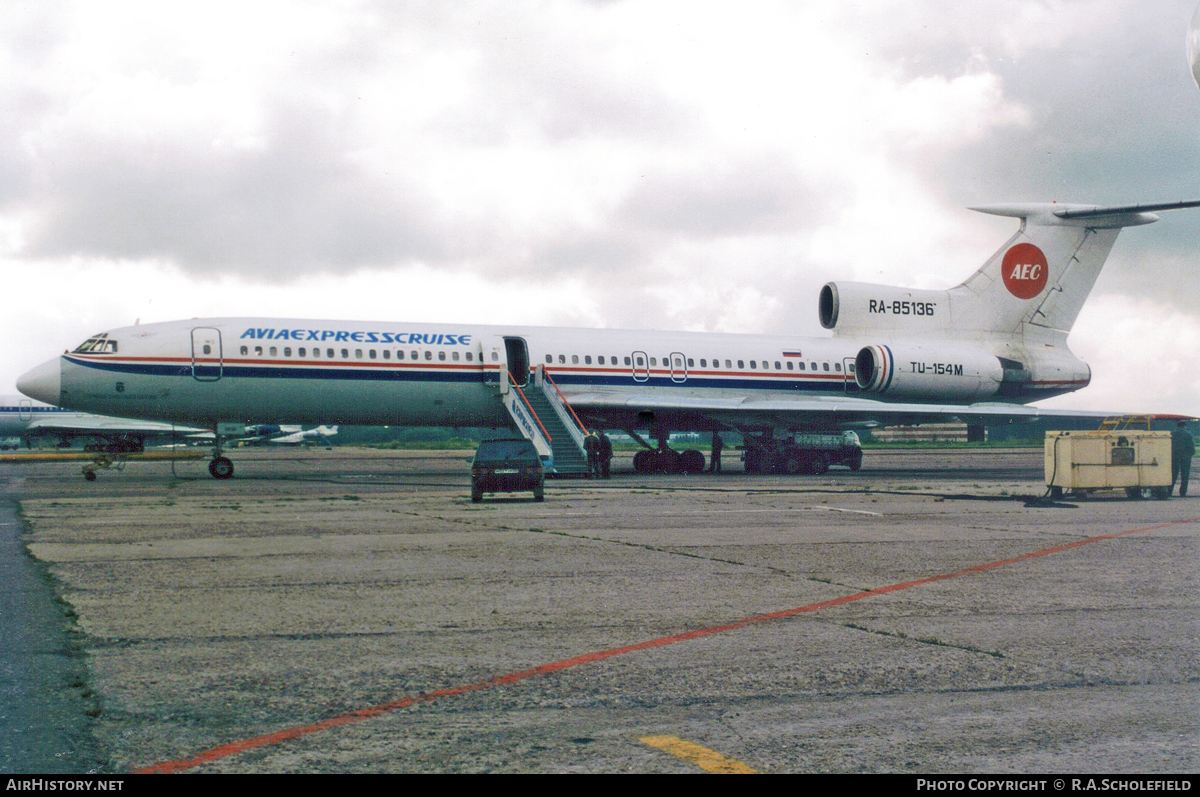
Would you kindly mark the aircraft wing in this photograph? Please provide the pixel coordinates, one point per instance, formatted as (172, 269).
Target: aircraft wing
(102, 424)
(840, 411)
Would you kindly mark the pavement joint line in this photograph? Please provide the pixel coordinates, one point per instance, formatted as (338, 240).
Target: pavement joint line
(840, 509)
(653, 548)
(278, 737)
(708, 760)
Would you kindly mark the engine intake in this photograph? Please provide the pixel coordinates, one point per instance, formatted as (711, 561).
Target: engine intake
(857, 307)
(945, 373)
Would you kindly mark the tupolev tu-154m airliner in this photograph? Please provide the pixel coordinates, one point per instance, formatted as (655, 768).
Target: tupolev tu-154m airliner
(979, 352)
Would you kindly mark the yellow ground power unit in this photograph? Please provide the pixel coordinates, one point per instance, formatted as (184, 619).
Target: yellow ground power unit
(1133, 460)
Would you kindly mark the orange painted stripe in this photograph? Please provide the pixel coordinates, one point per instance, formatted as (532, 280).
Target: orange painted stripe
(269, 739)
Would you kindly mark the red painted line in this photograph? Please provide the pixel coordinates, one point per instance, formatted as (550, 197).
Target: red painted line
(269, 739)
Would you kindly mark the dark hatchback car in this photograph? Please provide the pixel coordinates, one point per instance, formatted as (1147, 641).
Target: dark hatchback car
(507, 466)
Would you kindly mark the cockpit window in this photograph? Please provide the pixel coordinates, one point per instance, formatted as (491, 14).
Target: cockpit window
(98, 344)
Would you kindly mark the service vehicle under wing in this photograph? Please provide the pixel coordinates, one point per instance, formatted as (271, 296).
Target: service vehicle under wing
(803, 453)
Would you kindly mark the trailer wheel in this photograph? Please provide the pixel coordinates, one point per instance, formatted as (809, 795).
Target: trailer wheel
(856, 460)
(1134, 493)
(820, 463)
(793, 464)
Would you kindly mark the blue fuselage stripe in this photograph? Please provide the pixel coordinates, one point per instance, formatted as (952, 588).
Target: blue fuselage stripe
(417, 374)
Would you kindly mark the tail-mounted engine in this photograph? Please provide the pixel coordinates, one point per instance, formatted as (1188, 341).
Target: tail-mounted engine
(856, 307)
(942, 372)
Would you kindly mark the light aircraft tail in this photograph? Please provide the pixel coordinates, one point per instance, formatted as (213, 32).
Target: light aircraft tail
(1034, 286)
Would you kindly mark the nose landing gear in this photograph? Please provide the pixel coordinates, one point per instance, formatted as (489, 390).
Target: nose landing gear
(220, 467)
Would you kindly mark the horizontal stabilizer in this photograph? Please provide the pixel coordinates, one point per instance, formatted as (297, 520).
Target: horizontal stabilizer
(1075, 212)
(1111, 216)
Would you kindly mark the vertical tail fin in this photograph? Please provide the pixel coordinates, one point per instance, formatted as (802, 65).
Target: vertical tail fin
(1038, 281)
(1034, 286)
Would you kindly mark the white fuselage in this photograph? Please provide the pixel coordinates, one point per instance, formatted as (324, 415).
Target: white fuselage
(18, 414)
(249, 370)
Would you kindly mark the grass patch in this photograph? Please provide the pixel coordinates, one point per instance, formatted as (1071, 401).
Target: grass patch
(453, 444)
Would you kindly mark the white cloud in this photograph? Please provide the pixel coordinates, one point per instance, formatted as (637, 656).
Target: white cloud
(1143, 357)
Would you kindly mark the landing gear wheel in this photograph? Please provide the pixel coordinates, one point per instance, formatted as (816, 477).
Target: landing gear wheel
(90, 475)
(691, 462)
(221, 468)
(639, 462)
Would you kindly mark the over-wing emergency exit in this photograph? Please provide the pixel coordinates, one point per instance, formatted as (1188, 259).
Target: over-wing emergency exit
(979, 352)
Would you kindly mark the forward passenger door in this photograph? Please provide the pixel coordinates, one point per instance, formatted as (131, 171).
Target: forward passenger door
(208, 359)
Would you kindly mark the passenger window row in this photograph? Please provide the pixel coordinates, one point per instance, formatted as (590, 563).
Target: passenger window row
(317, 353)
(358, 354)
(779, 365)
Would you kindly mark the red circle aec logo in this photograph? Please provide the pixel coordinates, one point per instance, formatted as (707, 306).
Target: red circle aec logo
(1024, 271)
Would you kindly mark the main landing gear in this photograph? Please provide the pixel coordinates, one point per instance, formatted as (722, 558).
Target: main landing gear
(664, 459)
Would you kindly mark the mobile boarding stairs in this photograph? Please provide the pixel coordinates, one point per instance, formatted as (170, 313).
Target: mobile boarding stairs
(542, 414)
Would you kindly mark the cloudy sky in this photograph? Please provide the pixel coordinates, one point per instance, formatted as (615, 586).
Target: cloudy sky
(666, 165)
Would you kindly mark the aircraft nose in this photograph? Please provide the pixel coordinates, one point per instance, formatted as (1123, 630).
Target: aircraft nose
(43, 383)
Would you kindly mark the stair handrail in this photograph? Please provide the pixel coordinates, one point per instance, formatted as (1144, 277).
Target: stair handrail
(512, 381)
(566, 403)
